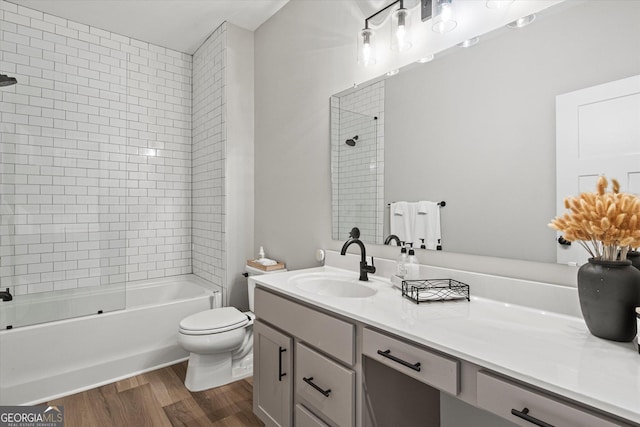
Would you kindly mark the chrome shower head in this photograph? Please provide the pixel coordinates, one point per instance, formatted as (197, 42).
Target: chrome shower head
(5, 80)
(352, 141)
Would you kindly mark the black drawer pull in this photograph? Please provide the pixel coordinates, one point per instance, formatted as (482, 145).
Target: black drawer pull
(312, 384)
(524, 414)
(280, 373)
(387, 354)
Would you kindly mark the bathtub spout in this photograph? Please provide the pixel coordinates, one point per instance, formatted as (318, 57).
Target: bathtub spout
(6, 295)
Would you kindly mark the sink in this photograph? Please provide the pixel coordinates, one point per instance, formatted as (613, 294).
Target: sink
(334, 285)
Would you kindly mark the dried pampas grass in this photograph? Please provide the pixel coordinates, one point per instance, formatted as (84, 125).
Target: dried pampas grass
(604, 223)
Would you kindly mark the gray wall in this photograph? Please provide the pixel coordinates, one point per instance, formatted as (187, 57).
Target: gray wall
(477, 127)
(303, 54)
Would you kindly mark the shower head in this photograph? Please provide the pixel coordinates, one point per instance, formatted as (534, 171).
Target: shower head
(7, 81)
(351, 142)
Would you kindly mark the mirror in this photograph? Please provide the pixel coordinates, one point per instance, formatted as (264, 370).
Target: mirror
(476, 128)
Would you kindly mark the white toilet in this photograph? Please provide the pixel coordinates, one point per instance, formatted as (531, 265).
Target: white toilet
(221, 344)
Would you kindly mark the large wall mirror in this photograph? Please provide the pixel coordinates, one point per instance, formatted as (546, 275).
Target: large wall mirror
(476, 128)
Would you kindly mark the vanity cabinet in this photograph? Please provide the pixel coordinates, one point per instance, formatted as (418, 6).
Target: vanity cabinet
(318, 360)
(272, 375)
(315, 368)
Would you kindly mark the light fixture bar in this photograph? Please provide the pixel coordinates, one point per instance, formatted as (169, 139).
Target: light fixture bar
(366, 21)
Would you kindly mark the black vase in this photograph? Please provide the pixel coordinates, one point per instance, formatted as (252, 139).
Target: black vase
(634, 257)
(609, 292)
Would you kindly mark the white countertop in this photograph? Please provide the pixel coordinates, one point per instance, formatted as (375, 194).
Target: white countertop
(552, 351)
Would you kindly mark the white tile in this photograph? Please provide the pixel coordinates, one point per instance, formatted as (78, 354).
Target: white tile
(100, 113)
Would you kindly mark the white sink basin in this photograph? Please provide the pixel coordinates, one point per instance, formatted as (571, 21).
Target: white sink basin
(333, 284)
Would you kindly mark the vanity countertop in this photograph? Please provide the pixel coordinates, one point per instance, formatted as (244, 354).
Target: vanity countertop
(552, 351)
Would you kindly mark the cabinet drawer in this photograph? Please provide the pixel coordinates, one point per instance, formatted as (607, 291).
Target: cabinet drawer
(325, 386)
(304, 418)
(417, 362)
(501, 396)
(333, 336)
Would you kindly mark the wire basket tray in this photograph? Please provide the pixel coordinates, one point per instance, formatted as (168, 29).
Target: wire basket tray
(429, 290)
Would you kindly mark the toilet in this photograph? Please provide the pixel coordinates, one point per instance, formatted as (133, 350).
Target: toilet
(220, 341)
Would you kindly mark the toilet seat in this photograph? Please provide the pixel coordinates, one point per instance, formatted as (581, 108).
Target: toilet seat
(213, 321)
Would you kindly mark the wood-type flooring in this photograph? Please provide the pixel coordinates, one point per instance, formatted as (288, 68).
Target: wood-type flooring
(159, 398)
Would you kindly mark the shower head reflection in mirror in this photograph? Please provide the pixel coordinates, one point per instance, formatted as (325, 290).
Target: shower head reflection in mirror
(351, 142)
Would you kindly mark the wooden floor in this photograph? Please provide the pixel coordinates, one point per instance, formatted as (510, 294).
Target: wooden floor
(159, 398)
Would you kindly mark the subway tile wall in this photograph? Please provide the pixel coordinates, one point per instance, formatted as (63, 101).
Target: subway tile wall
(95, 146)
(358, 171)
(209, 143)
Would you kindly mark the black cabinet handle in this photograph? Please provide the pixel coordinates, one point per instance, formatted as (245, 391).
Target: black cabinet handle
(312, 384)
(387, 354)
(524, 414)
(280, 373)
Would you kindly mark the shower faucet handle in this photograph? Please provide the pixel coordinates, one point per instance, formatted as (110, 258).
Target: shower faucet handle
(6, 295)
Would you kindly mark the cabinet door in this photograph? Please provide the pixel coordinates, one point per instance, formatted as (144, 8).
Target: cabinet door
(598, 133)
(272, 375)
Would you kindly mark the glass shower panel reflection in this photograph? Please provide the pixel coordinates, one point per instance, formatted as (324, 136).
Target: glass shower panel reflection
(355, 176)
(63, 146)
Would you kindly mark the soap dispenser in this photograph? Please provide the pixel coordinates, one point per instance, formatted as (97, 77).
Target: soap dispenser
(401, 263)
(413, 268)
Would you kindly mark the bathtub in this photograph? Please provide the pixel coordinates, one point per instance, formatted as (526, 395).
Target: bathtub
(50, 360)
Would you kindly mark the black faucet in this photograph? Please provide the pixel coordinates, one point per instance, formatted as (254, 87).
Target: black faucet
(364, 267)
(6, 295)
(391, 237)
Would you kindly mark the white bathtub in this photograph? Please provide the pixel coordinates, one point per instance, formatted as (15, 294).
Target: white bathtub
(45, 361)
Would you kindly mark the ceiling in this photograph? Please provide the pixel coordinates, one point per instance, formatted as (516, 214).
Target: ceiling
(181, 25)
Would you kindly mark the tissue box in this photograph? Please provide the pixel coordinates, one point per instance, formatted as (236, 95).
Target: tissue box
(254, 264)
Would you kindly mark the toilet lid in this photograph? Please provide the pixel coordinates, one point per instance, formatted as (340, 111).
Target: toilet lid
(214, 321)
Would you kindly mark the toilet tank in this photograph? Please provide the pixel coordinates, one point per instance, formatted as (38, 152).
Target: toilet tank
(251, 284)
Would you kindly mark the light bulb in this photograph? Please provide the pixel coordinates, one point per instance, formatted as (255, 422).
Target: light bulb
(443, 16)
(401, 30)
(366, 54)
(366, 50)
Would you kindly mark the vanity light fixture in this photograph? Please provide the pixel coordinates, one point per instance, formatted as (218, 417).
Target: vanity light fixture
(469, 42)
(401, 30)
(443, 16)
(400, 34)
(522, 22)
(425, 59)
(498, 4)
